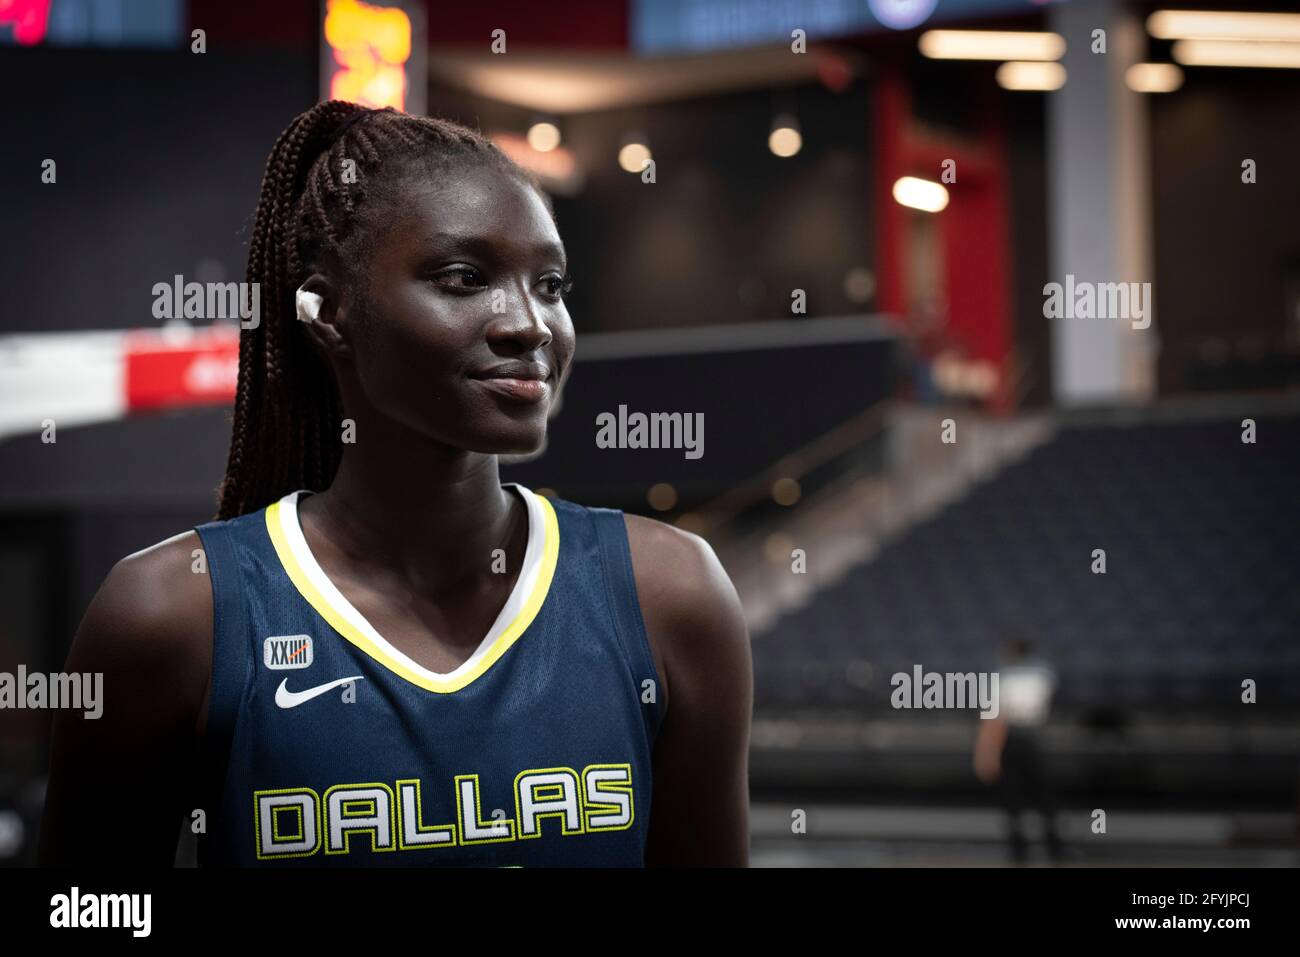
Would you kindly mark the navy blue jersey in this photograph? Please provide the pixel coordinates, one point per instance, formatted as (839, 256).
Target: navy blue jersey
(326, 745)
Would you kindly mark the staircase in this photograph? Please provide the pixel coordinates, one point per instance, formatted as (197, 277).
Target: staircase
(846, 523)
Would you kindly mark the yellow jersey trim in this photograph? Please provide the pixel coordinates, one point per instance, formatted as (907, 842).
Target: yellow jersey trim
(341, 622)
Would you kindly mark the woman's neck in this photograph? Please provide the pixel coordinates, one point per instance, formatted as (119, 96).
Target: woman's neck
(432, 516)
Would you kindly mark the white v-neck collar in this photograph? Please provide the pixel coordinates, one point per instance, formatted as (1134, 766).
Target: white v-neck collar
(520, 607)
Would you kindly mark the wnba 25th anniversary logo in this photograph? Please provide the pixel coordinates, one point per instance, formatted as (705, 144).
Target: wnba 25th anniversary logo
(286, 652)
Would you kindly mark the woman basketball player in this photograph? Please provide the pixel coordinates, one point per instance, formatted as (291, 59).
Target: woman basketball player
(378, 654)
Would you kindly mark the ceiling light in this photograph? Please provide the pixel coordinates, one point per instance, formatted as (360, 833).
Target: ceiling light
(1237, 53)
(1153, 77)
(1031, 76)
(922, 194)
(991, 45)
(785, 139)
(543, 137)
(1219, 25)
(633, 156)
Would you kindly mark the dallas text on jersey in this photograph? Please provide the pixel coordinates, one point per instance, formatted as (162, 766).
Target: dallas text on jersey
(299, 822)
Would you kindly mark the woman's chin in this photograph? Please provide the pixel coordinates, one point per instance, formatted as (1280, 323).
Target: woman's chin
(517, 448)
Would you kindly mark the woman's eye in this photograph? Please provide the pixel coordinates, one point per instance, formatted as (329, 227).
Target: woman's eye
(557, 286)
(460, 277)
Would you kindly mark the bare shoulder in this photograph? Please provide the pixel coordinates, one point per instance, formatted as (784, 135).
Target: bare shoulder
(147, 638)
(160, 593)
(692, 613)
(150, 623)
(675, 568)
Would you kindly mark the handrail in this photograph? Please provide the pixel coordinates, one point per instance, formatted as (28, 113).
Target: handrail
(823, 449)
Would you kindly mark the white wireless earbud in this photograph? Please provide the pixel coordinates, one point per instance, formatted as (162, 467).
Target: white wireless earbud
(308, 305)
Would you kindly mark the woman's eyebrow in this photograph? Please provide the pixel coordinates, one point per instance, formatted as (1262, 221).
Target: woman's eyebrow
(482, 247)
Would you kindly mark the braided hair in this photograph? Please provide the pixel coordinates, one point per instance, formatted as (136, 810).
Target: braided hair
(328, 174)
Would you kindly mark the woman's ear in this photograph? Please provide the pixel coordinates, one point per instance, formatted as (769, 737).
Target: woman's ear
(319, 307)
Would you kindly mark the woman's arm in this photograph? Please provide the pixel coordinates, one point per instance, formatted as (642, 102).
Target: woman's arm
(120, 784)
(989, 739)
(700, 802)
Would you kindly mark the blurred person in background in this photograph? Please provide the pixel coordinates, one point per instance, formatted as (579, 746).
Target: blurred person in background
(1008, 749)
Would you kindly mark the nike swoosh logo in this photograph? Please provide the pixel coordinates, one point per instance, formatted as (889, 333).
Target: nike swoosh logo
(291, 699)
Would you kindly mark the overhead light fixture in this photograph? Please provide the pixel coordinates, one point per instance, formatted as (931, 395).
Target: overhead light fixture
(544, 136)
(634, 154)
(785, 139)
(1250, 53)
(991, 45)
(1153, 77)
(1031, 76)
(922, 194)
(1223, 25)
(786, 491)
(662, 496)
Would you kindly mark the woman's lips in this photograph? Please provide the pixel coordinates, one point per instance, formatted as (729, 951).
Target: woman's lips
(524, 390)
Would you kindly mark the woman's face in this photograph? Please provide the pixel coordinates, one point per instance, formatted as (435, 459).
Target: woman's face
(463, 335)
